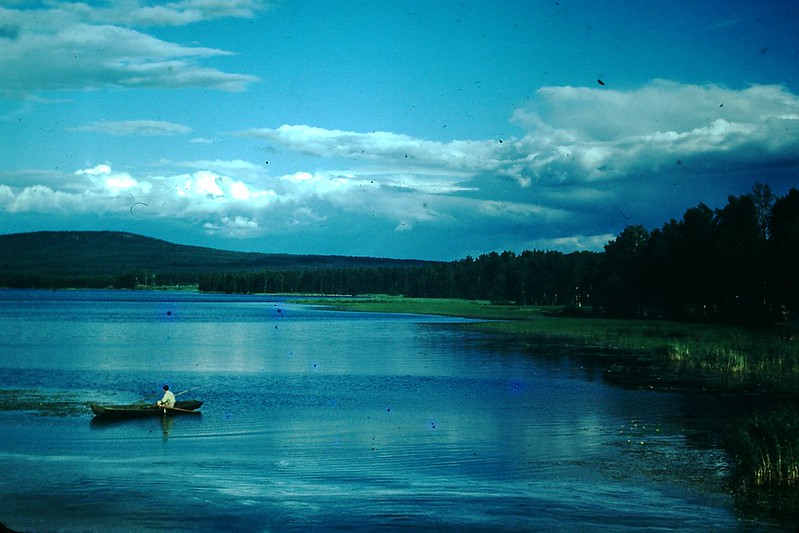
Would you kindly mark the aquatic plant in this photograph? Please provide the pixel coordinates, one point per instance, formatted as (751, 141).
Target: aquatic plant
(45, 403)
(766, 446)
(765, 449)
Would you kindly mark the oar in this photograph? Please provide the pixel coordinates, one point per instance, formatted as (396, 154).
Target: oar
(179, 410)
(188, 390)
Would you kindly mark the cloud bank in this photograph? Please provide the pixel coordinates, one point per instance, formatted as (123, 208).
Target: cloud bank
(75, 46)
(585, 158)
(582, 135)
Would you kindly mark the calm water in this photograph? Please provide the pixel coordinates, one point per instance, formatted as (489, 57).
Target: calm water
(327, 420)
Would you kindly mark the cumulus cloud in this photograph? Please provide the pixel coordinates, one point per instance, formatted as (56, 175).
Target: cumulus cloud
(578, 134)
(237, 226)
(226, 203)
(73, 46)
(237, 167)
(572, 243)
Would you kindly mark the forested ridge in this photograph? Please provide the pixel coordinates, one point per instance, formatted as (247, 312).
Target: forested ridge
(56, 259)
(738, 263)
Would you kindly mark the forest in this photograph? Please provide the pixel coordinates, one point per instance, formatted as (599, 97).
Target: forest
(735, 264)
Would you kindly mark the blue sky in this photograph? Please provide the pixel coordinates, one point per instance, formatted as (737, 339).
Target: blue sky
(428, 130)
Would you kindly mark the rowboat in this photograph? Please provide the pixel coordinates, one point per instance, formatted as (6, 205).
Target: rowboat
(139, 410)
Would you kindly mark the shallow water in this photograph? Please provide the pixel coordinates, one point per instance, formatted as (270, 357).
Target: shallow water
(327, 420)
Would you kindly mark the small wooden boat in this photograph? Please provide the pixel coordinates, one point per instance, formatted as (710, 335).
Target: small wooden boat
(139, 410)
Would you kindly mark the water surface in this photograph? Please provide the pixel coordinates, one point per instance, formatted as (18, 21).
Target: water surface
(317, 419)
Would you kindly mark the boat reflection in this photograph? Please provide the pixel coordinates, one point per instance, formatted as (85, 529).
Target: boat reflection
(167, 423)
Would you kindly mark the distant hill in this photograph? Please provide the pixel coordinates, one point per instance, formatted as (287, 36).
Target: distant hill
(77, 254)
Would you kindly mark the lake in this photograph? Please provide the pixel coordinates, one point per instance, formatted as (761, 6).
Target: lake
(322, 420)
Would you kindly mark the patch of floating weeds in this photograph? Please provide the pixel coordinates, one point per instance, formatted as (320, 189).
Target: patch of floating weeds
(41, 402)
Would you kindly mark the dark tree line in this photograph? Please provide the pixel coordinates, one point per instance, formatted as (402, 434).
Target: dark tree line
(539, 278)
(736, 264)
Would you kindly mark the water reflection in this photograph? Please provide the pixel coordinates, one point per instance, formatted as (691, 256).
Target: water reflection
(146, 425)
(348, 421)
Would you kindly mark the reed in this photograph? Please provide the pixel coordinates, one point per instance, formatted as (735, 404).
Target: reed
(766, 448)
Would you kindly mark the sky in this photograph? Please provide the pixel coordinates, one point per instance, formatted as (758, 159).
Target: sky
(405, 129)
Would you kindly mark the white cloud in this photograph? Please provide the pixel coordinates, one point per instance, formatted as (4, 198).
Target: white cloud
(43, 199)
(233, 206)
(580, 134)
(179, 13)
(102, 183)
(573, 242)
(238, 167)
(399, 149)
(208, 191)
(98, 170)
(134, 127)
(73, 46)
(237, 226)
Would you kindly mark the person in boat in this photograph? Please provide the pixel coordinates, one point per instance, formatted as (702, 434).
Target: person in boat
(168, 400)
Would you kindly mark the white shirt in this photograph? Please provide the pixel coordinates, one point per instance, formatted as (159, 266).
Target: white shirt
(168, 400)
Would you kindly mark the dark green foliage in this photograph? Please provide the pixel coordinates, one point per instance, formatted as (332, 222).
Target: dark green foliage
(540, 278)
(783, 248)
(738, 264)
